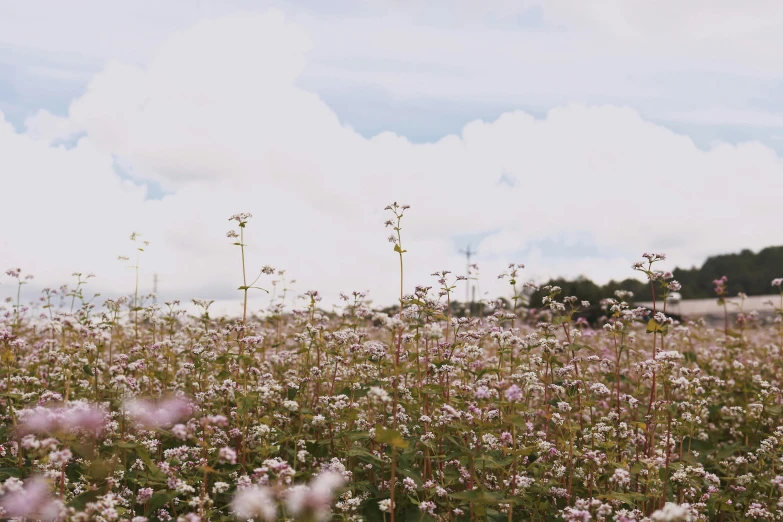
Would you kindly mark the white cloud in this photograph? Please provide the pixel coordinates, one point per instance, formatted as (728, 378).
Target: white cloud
(44, 125)
(718, 116)
(464, 50)
(216, 117)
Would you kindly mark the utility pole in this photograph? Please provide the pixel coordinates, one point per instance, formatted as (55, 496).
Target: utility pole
(155, 289)
(468, 253)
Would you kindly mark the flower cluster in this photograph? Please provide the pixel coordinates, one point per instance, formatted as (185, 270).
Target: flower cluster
(428, 410)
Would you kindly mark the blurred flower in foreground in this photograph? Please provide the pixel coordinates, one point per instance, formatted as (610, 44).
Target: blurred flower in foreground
(80, 416)
(32, 499)
(160, 414)
(310, 502)
(254, 502)
(672, 512)
(316, 498)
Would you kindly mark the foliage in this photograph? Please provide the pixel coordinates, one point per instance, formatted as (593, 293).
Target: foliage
(751, 274)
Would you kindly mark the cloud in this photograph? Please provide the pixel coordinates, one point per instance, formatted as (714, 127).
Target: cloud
(216, 116)
(439, 64)
(718, 116)
(44, 125)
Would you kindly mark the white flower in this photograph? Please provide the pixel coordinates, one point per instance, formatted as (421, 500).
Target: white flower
(220, 487)
(672, 512)
(255, 502)
(377, 394)
(316, 498)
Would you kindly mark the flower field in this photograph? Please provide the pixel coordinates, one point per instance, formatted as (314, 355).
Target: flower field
(128, 410)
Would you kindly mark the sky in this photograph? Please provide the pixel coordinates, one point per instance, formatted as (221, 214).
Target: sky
(568, 136)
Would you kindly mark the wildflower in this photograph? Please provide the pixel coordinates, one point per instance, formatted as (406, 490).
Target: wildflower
(377, 394)
(227, 456)
(158, 415)
(255, 502)
(179, 431)
(315, 499)
(514, 393)
(672, 512)
(143, 495)
(60, 458)
(621, 477)
(33, 500)
(77, 416)
(428, 507)
(241, 218)
(572, 514)
(482, 392)
(720, 285)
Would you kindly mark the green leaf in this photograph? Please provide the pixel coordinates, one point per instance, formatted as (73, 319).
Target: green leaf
(727, 451)
(390, 437)
(160, 499)
(653, 326)
(10, 472)
(145, 458)
(627, 498)
(80, 501)
(480, 496)
(363, 454)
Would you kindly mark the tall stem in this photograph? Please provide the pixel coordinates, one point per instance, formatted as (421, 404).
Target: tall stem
(136, 300)
(652, 389)
(18, 306)
(244, 276)
(396, 377)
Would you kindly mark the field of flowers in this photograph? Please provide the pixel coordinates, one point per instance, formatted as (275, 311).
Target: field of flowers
(128, 410)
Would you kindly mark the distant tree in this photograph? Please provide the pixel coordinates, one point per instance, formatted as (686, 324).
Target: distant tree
(747, 272)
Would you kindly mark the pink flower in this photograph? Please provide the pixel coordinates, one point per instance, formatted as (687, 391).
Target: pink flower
(720, 285)
(227, 456)
(60, 457)
(316, 498)
(40, 420)
(214, 420)
(80, 416)
(143, 495)
(514, 393)
(482, 392)
(34, 500)
(164, 413)
(89, 419)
